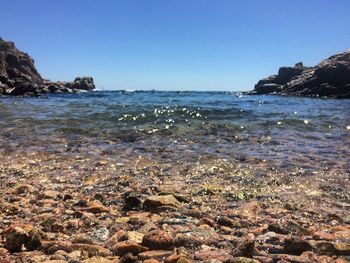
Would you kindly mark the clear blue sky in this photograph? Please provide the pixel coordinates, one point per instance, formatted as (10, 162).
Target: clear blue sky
(174, 44)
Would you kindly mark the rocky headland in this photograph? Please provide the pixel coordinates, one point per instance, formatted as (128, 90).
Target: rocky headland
(19, 77)
(330, 78)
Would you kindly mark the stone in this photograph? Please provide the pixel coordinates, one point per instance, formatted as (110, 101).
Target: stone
(92, 250)
(296, 246)
(15, 238)
(246, 247)
(128, 258)
(124, 247)
(242, 260)
(287, 227)
(98, 260)
(331, 248)
(159, 255)
(51, 247)
(132, 203)
(197, 237)
(100, 235)
(184, 260)
(206, 255)
(33, 241)
(24, 189)
(49, 194)
(135, 236)
(157, 239)
(3, 251)
(173, 258)
(96, 207)
(347, 219)
(150, 261)
(161, 200)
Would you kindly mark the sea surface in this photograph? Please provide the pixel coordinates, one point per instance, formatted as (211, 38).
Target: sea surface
(179, 127)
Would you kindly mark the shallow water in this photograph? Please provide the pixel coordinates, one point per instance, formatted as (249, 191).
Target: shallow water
(181, 127)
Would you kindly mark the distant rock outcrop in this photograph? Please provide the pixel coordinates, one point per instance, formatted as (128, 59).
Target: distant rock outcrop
(330, 78)
(18, 75)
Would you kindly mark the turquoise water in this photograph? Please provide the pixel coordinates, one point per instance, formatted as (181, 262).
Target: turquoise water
(181, 126)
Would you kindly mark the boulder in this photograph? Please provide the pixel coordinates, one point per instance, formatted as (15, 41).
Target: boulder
(84, 83)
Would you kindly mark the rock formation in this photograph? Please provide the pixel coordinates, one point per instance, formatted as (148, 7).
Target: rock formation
(18, 75)
(330, 78)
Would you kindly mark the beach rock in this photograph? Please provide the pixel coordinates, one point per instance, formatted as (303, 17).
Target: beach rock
(246, 247)
(128, 258)
(296, 246)
(242, 260)
(98, 260)
(150, 261)
(158, 239)
(131, 203)
(219, 255)
(100, 235)
(159, 255)
(173, 258)
(15, 238)
(160, 200)
(330, 78)
(135, 236)
(34, 239)
(287, 227)
(23, 189)
(96, 207)
(51, 247)
(92, 250)
(125, 247)
(202, 235)
(331, 248)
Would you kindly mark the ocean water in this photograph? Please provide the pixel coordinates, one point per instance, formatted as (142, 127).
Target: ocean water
(179, 127)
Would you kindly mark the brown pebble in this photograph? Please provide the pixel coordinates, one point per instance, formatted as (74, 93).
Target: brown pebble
(157, 239)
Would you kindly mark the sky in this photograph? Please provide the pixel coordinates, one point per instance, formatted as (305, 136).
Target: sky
(174, 44)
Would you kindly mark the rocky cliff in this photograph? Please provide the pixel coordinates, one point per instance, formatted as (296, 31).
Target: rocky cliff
(18, 75)
(330, 78)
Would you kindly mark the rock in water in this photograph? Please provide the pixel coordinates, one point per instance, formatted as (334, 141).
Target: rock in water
(330, 78)
(18, 75)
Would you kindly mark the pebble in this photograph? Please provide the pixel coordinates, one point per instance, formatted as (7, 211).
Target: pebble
(157, 239)
(125, 247)
(15, 238)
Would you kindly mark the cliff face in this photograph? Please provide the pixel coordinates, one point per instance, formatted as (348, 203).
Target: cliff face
(330, 78)
(18, 75)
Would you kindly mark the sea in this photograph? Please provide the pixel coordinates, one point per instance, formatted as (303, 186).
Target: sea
(181, 127)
